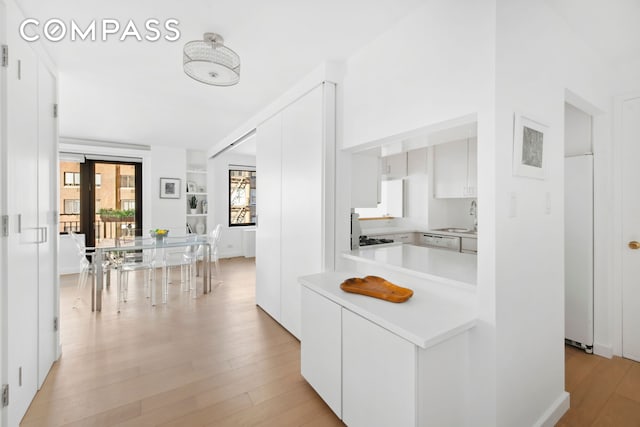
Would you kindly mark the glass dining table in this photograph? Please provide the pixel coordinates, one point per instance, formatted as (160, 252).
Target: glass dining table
(157, 247)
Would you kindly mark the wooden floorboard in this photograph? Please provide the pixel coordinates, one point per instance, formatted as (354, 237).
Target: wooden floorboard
(603, 392)
(216, 360)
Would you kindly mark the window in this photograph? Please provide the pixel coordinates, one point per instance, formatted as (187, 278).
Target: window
(127, 181)
(72, 206)
(242, 197)
(98, 180)
(71, 179)
(128, 205)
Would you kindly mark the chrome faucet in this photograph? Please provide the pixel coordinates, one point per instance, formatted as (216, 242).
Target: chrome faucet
(473, 211)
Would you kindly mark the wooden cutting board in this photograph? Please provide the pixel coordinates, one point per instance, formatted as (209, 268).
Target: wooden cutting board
(376, 287)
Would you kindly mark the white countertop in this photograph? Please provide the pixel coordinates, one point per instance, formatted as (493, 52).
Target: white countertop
(426, 319)
(439, 265)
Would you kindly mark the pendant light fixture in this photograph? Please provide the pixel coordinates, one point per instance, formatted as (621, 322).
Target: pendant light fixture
(209, 61)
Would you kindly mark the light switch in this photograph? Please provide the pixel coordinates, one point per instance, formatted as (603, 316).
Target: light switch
(547, 207)
(513, 205)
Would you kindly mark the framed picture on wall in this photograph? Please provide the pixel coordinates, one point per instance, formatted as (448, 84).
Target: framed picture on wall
(528, 147)
(169, 188)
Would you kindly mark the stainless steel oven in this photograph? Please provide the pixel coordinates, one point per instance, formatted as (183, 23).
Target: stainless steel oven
(429, 240)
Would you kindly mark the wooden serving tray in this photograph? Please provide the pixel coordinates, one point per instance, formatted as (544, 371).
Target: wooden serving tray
(376, 287)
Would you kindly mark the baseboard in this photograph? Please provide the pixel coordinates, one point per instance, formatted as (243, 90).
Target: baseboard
(553, 414)
(603, 350)
(63, 271)
(231, 254)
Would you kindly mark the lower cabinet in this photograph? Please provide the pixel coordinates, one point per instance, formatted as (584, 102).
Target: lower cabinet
(372, 377)
(378, 375)
(321, 348)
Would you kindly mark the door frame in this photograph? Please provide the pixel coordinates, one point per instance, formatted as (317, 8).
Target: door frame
(618, 237)
(88, 196)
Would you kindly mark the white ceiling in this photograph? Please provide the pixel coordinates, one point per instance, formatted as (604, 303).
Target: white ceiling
(136, 92)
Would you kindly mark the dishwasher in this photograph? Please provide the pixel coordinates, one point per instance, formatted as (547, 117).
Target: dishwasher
(451, 243)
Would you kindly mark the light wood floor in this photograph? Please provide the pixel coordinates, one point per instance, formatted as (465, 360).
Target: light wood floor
(216, 360)
(219, 360)
(604, 392)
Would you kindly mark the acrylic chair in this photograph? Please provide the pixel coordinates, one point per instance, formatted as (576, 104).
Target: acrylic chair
(126, 262)
(186, 260)
(213, 239)
(87, 265)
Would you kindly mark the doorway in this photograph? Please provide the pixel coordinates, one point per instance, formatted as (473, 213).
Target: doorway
(101, 199)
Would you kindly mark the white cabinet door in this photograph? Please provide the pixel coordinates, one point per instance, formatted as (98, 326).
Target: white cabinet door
(456, 169)
(450, 169)
(468, 245)
(268, 259)
(302, 200)
(321, 347)
(47, 207)
(365, 181)
(404, 238)
(379, 375)
(21, 181)
(395, 166)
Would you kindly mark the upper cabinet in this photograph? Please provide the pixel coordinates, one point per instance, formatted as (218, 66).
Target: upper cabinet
(395, 166)
(455, 169)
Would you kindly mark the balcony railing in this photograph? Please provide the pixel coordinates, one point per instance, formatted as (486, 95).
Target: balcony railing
(106, 232)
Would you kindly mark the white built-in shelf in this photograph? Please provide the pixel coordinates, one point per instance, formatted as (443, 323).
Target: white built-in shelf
(197, 214)
(196, 194)
(196, 171)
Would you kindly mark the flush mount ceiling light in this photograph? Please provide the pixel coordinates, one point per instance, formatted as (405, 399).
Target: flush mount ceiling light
(210, 61)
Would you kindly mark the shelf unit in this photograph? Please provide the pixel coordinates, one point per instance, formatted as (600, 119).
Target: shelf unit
(197, 180)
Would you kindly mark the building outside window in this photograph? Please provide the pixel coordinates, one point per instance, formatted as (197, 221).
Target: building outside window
(127, 181)
(98, 180)
(128, 205)
(242, 197)
(71, 206)
(72, 179)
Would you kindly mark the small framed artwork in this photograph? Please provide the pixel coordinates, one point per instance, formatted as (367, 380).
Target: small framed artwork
(169, 188)
(529, 152)
(191, 187)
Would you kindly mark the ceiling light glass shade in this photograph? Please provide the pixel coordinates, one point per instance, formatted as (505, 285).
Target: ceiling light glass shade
(210, 61)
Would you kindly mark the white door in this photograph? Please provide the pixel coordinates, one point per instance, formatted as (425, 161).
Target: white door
(22, 208)
(630, 229)
(47, 206)
(268, 205)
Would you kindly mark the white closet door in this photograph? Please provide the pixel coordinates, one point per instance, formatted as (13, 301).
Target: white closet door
(47, 206)
(302, 200)
(22, 201)
(268, 205)
(630, 229)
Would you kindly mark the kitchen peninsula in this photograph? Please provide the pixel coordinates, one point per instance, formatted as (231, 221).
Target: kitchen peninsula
(379, 363)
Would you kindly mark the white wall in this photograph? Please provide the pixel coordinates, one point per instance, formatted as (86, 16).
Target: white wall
(218, 189)
(166, 162)
(577, 137)
(533, 71)
(433, 66)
